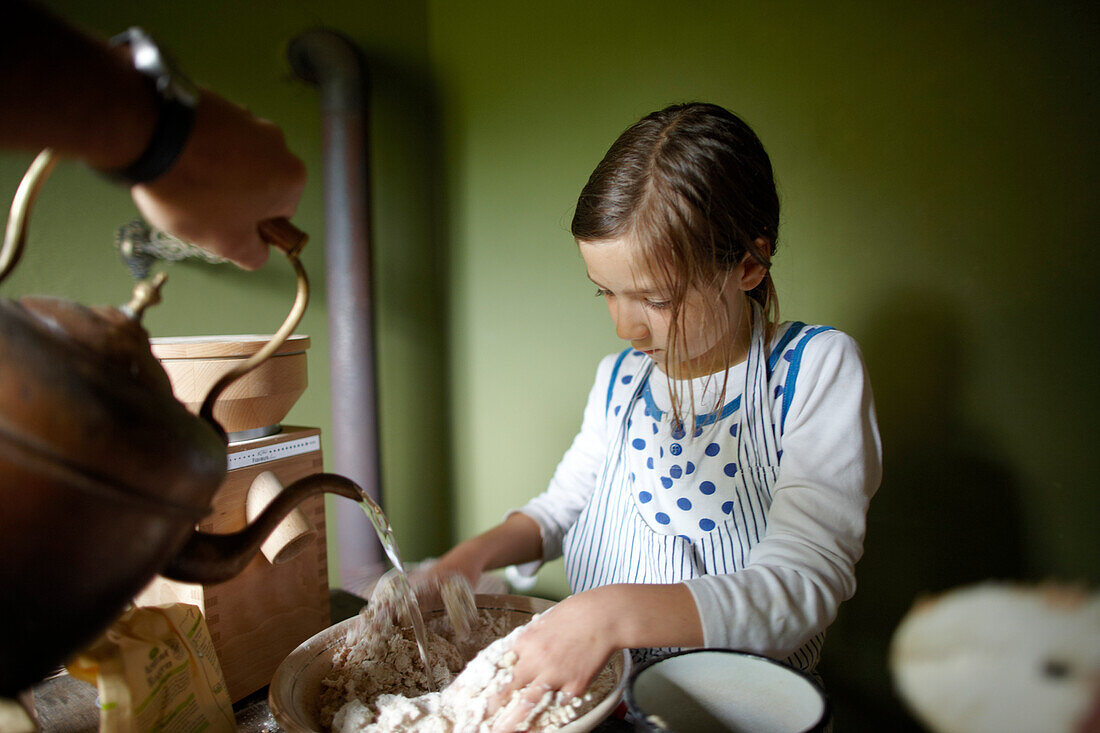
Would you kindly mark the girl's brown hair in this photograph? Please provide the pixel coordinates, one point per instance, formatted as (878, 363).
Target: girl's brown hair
(692, 185)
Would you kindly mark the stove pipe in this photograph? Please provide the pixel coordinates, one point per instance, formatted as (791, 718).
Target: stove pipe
(332, 62)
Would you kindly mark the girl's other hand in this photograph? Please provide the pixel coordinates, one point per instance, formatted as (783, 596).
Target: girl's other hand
(515, 540)
(426, 580)
(431, 575)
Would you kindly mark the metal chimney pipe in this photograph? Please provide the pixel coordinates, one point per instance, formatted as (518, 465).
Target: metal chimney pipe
(334, 64)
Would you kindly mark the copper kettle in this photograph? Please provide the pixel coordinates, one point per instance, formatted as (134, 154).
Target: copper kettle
(103, 473)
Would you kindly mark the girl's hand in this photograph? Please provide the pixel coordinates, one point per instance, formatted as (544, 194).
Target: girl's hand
(440, 583)
(562, 650)
(515, 540)
(566, 647)
(455, 562)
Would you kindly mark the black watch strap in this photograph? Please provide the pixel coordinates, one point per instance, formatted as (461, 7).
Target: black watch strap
(176, 102)
(173, 127)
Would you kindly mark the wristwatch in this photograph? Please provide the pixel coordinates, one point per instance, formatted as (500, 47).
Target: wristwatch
(177, 98)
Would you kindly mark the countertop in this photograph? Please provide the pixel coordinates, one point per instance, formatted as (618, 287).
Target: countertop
(66, 705)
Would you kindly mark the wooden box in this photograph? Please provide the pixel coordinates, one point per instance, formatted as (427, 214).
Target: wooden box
(261, 615)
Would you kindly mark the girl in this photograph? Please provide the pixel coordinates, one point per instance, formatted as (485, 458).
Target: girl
(717, 491)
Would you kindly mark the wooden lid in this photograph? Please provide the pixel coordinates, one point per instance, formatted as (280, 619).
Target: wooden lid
(213, 347)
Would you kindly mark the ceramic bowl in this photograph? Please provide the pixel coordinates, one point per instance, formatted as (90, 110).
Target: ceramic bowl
(724, 690)
(295, 689)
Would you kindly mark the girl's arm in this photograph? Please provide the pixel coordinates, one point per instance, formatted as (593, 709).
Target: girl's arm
(556, 509)
(587, 628)
(804, 567)
(514, 541)
(534, 535)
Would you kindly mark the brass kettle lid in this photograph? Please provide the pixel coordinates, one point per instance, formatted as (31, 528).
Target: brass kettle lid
(113, 336)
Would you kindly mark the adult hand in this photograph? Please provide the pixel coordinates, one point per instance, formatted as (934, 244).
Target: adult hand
(234, 172)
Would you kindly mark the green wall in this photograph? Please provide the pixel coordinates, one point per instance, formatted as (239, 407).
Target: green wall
(937, 167)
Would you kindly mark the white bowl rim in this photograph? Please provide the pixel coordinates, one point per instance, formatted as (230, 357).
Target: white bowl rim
(640, 717)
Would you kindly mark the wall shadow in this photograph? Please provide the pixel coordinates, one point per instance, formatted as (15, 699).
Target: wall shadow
(947, 514)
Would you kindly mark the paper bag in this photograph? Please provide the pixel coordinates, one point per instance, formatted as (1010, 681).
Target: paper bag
(156, 670)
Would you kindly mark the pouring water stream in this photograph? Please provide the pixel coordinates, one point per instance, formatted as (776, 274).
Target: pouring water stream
(407, 598)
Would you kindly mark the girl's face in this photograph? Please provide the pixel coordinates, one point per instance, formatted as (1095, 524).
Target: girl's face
(640, 307)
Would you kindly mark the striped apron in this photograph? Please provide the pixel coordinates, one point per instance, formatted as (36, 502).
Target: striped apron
(611, 543)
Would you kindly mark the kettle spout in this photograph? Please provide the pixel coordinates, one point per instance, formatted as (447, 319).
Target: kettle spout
(215, 558)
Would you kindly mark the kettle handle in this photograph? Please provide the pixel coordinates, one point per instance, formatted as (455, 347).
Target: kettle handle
(15, 235)
(288, 238)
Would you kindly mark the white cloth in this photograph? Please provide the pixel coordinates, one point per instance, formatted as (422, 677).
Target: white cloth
(760, 510)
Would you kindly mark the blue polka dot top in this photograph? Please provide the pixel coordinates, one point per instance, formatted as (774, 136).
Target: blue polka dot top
(675, 470)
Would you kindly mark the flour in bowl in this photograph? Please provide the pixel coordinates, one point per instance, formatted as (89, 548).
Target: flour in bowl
(378, 683)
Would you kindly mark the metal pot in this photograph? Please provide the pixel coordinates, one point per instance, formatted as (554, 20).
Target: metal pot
(103, 473)
(715, 689)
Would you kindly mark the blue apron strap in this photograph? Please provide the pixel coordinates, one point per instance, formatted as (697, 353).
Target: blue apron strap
(614, 376)
(756, 437)
(792, 372)
(788, 336)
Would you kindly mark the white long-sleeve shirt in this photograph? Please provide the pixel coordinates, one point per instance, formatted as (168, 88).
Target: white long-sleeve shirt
(793, 560)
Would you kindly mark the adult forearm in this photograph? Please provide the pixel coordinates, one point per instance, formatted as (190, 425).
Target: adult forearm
(67, 91)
